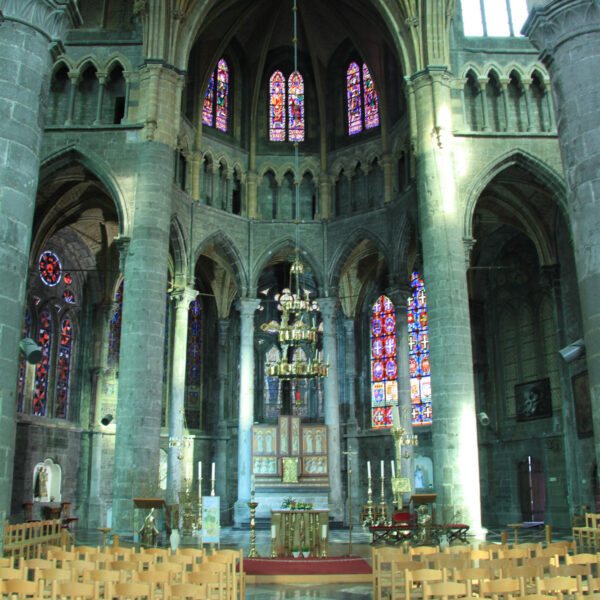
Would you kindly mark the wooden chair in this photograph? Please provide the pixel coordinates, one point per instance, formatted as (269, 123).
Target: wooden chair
(386, 561)
(31, 567)
(80, 567)
(6, 561)
(500, 588)
(82, 552)
(72, 590)
(102, 580)
(472, 576)
(526, 574)
(131, 591)
(458, 549)
(414, 580)
(493, 549)
(101, 559)
(498, 565)
(558, 586)
(446, 590)
(230, 578)
(11, 573)
(197, 553)
(183, 591)
(477, 555)
(158, 580)
(517, 554)
(185, 561)
(61, 557)
(126, 568)
(175, 570)
(447, 561)
(19, 589)
(239, 575)
(417, 552)
(213, 580)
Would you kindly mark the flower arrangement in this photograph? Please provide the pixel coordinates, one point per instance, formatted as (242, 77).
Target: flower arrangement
(291, 504)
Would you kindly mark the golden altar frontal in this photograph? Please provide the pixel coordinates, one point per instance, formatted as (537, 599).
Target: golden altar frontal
(300, 529)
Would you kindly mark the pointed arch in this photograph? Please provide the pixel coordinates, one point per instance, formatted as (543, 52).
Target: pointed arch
(179, 251)
(277, 120)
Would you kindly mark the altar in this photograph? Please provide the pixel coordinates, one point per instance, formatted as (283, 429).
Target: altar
(300, 529)
(289, 459)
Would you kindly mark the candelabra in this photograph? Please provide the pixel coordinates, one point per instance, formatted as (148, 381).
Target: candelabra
(382, 512)
(369, 519)
(253, 553)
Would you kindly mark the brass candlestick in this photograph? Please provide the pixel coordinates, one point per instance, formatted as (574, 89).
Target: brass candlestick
(370, 517)
(382, 513)
(273, 542)
(253, 553)
(212, 487)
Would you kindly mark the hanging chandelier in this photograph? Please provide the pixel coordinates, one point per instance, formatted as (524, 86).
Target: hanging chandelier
(298, 328)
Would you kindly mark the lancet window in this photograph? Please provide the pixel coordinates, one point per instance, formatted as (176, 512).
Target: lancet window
(215, 108)
(286, 107)
(500, 18)
(363, 104)
(193, 375)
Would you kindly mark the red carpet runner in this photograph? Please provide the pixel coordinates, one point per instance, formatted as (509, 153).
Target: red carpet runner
(339, 565)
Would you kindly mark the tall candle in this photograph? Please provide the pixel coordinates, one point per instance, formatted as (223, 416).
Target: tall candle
(324, 531)
(188, 471)
(369, 469)
(199, 470)
(273, 530)
(252, 484)
(382, 470)
(393, 468)
(212, 473)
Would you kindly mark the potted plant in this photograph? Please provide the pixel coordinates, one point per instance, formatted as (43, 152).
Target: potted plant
(305, 551)
(295, 551)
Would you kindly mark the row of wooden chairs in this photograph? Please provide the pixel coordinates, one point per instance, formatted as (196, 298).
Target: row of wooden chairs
(389, 564)
(221, 572)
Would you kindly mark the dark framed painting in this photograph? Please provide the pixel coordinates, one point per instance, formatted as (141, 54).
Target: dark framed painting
(583, 404)
(533, 400)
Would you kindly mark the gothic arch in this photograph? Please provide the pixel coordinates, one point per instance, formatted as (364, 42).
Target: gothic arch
(179, 250)
(73, 154)
(275, 247)
(117, 59)
(222, 241)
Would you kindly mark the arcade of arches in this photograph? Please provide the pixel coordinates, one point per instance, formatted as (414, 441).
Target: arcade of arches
(151, 206)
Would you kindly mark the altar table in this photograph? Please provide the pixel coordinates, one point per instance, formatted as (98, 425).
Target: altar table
(300, 528)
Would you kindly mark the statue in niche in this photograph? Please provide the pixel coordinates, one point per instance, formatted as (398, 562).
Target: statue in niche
(319, 441)
(284, 443)
(259, 441)
(309, 441)
(269, 438)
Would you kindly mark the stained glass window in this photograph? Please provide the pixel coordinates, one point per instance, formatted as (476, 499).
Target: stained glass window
(40, 397)
(63, 371)
(272, 386)
(49, 268)
(221, 93)
(418, 346)
(359, 88)
(384, 364)
(69, 297)
(354, 99)
(114, 335)
(194, 364)
(207, 108)
(23, 365)
(215, 108)
(371, 102)
(296, 107)
(277, 107)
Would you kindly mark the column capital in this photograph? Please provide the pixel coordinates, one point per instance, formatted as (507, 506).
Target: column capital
(247, 306)
(52, 18)
(469, 244)
(122, 245)
(329, 306)
(556, 22)
(182, 297)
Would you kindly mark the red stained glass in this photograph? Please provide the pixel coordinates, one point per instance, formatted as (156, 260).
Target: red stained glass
(193, 376)
(221, 94)
(63, 371)
(40, 396)
(371, 101)
(67, 278)
(49, 268)
(114, 334)
(23, 365)
(354, 99)
(296, 107)
(207, 108)
(277, 107)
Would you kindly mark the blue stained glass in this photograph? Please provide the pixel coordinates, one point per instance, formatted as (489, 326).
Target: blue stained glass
(40, 397)
(23, 365)
(63, 371)
(277, 107)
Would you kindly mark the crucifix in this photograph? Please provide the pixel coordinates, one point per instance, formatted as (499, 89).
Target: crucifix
(402, 437)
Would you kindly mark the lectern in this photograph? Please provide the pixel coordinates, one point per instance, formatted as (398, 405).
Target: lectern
(417, 500)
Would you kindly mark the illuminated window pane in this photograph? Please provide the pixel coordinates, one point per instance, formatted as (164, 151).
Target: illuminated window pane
(384, 365)
(354, 99)
(207, 109)
(49, 268)
(472, 21)
(64, 370)
(519, 14)
(418, 354)
(296, 107)
(193, 377)
(221, 93)
(496, 18)
(277, 107)
(371, 102)
(40, 397)
(272, 386)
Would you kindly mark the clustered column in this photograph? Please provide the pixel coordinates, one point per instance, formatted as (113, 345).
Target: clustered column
(29, 31)
(568, 36)
(221, 441)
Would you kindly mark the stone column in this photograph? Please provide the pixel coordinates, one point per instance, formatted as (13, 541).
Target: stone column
(221, 431)
(329, 309)
(102, 77)
(389, 174)
(252, 194)
(29, 34)
(526, 90)
(399, 295)
(181, 299)
(455, 450)
(352, 424)
(483, 81)
(504, 83)
(247, 308)
(324, 195)
(74, 79)
(138, 416)
(567, 33)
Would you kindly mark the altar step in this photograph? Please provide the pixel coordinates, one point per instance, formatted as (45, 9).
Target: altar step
(263, 523)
